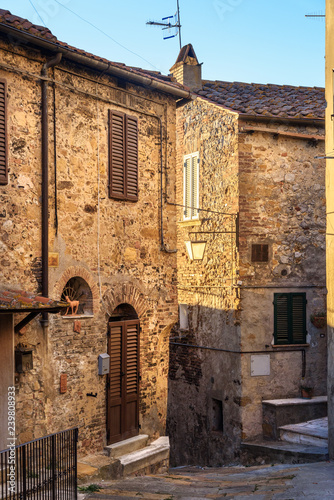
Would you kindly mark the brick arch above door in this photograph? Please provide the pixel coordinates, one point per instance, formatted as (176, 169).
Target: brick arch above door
(126, 293)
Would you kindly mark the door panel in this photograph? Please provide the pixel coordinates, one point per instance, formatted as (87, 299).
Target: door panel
(123, 380)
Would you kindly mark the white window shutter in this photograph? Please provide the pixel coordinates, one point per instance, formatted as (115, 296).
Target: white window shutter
(194, 186)
(187, 188)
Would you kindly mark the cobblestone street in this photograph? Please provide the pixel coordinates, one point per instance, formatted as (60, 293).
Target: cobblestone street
(278, 482)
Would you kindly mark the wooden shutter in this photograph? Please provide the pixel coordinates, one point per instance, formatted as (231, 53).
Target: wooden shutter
(298, 305)
(281, 318)
(187, 188)
(290, 318)
(194, 186)
(131, 158)
(3, 133)
(132, 360)
(115, 352)
(116, 155)
(123, 156)
(259, 253)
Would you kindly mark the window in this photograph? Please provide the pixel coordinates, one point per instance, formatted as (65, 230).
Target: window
(290, 318)
(123, 156)
(3, 133)
(191, 186)
(259, 253)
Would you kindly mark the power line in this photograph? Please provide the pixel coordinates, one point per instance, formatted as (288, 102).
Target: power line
(106, 34)
(33, 6)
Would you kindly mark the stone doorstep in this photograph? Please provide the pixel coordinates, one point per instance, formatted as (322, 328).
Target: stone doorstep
(313, 432)
(116, 450)
(136, 460)
(94, 467)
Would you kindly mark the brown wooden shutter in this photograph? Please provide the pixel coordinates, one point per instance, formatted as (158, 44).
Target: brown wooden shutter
(131, 126)
(116, 155)
(123, 156)
(3, 133)
(132, 358)
(259, 253)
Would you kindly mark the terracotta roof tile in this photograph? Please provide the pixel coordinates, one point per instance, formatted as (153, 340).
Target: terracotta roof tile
(17, 300)
(40, 31)
(267, 100)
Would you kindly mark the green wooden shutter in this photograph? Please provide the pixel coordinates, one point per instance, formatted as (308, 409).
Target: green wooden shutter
(281, 318)
(116, 155)
(3, 133)
(298, 305)
(290, 318)
(131, 158)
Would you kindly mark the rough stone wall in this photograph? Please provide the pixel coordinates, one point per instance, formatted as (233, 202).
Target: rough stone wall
(282, 204)
(113, 245)
(204, 390)
(329, 61)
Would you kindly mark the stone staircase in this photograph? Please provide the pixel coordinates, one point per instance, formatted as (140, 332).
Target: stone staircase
(133, 456)
(294, 431)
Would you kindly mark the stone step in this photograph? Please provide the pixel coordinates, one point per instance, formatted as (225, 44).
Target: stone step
(121, 448)
(313, 432)
(145, 457)
(269, 452)
(280, 412)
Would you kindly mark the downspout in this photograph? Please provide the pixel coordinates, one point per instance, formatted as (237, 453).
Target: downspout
(45, 182)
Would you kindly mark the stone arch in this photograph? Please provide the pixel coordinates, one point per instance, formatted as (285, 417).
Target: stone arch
(126, 293)
(81, 272)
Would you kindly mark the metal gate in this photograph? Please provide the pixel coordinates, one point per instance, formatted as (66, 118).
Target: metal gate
(43, 469)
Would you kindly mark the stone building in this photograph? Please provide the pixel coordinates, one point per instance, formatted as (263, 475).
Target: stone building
(87, 151)
(330, 222)
(246, 158)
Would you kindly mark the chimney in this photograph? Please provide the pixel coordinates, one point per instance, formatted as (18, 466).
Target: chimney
(187, 69)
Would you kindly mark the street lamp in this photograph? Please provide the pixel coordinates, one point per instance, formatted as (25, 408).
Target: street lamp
(195, 249)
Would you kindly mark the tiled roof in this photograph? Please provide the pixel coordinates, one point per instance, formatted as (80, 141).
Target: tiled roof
(6, 18)
(267, 100)
(12, 300)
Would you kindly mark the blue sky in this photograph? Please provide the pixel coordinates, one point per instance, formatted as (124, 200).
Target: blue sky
(260, 41)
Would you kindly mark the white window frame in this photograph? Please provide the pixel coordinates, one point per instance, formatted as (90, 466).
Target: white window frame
(190, 191)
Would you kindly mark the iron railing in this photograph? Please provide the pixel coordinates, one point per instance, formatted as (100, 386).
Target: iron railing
(43, 469)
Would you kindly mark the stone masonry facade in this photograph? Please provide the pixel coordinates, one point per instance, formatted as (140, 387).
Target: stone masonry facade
(266, 173)
(112, 246)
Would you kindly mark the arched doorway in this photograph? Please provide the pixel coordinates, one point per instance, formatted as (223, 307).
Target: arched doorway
(123, 380)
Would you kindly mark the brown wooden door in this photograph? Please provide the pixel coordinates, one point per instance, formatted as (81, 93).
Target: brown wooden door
(123, 380)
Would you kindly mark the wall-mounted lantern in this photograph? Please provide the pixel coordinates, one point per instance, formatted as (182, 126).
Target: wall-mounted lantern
(195, 249)
(23, 359)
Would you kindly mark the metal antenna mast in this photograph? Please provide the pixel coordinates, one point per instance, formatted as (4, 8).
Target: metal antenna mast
(168, 24)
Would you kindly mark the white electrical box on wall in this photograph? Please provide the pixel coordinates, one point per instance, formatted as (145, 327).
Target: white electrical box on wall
(260, 365)
(104, 363)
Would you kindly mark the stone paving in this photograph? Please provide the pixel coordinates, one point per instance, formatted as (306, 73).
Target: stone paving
(278, 482)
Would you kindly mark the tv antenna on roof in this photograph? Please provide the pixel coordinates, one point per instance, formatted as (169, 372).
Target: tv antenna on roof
(169, 24)
(315, 15)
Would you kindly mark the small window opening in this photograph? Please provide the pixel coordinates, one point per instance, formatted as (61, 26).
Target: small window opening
(78, 290)
(217, 422)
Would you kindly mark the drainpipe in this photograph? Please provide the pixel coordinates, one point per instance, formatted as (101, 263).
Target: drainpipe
(45, 182)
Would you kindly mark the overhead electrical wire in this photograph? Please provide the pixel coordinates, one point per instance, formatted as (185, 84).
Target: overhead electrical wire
(104, 33)
(33, 6)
